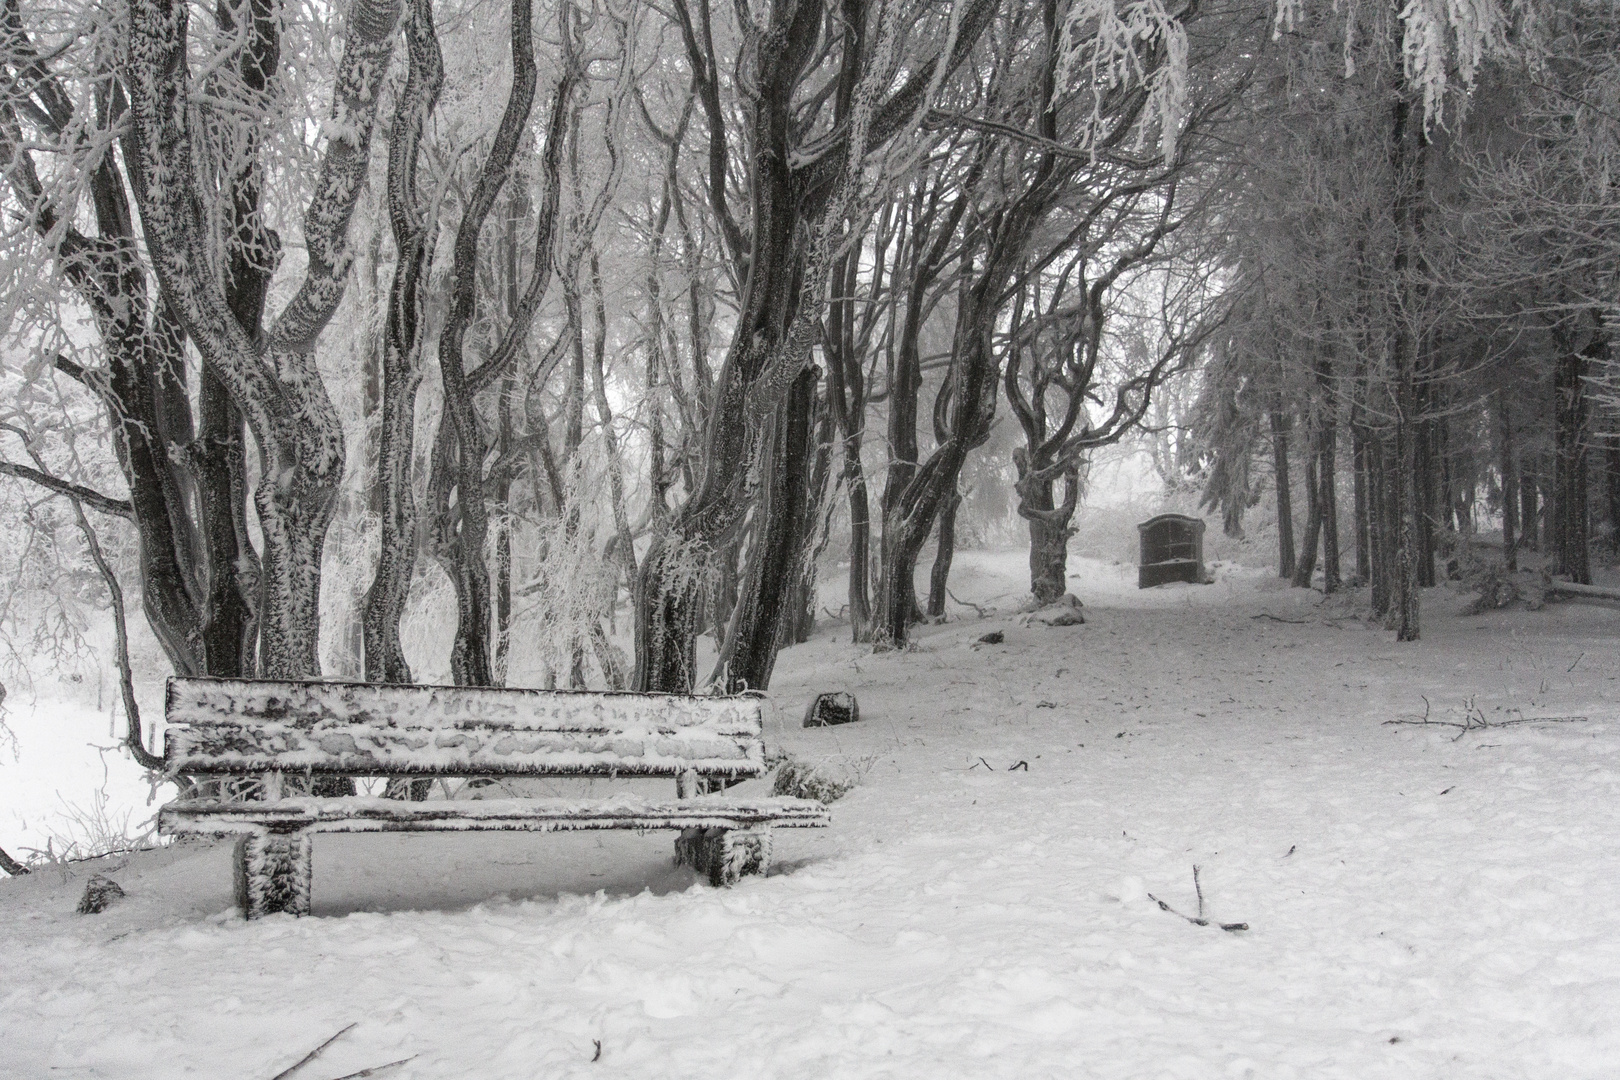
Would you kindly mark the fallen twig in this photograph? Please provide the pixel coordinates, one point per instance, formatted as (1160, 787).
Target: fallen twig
(375, 1069)
(1278, 618)
(1474, 719)
(312, 1055)
(977, 610)
(1199, 920)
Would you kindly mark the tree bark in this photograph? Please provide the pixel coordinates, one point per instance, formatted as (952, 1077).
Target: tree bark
(274, 382)
(1327, 476)
(749, 653)
(1611, 477)
(1406, 164)
(939, 576)
(1569, 463)
(384, 655)
(1305, 568)
(1510, 484)
(1280, 425)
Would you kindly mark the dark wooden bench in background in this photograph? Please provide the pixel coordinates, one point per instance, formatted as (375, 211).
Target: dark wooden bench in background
(285, 732)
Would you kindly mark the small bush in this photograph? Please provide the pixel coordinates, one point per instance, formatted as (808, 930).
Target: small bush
(802, 780)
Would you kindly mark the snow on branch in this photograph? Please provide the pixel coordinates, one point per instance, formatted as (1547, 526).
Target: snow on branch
(95, 500)
(1141, 44)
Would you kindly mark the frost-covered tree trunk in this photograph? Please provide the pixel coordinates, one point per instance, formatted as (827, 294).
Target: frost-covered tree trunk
(846, 397)
(462, 532)
(272, 380)
(972, 388)
(800, 198)
(384, 656)
(764, 603)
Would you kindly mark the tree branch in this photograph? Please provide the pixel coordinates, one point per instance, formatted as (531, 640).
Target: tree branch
(95, 500)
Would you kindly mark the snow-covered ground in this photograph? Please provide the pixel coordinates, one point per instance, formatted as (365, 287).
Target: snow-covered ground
(1421, 902)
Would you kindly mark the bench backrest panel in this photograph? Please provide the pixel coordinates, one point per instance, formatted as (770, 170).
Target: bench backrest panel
(362, 729)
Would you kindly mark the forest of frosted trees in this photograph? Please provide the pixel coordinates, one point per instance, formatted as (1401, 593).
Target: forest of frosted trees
(319, 319)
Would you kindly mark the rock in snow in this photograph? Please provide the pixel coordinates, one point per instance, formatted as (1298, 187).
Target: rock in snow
(99, 894)
(838, 707)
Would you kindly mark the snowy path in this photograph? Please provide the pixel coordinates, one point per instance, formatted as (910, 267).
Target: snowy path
(1419, 906)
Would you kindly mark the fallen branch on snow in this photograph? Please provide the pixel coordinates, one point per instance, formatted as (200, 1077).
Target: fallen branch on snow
(1199, 920)
(315, 1053)
(1278, 618)
(1474, 719)
(977, 610)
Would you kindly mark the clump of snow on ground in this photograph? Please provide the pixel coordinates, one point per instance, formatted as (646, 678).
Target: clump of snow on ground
(1422, 901)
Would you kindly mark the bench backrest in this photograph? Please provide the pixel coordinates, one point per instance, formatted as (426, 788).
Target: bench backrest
(219, 726)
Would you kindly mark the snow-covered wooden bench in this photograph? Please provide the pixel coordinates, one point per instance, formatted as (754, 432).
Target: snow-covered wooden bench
(277, 730)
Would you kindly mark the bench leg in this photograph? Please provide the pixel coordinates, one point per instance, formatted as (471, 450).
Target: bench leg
(273, 872)
(724, 855)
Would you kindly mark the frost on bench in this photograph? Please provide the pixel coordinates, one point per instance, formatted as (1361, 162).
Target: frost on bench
(240, 726)
(357, 814)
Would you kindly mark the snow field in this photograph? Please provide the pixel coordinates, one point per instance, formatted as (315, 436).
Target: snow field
(1420, 905)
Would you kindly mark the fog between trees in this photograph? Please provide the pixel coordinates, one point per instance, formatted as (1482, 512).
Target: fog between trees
(319, 316)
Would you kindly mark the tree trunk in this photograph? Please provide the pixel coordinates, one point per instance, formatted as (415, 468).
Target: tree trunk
(1569, 463)
(973, 393)
(939, 576)
(1510, 485)
(800, 618)
(1280, 425)
(1048, 559)
(274, 382)
(1305, 568)
(1380, 521)
(1362, 495)
(384, 655)
(749, 654)
(1406, 165)
(1327, 476)
(1611, 476)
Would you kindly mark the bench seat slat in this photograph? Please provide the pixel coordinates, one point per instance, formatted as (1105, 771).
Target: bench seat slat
(309, 705)
(357, 750)
(241, 726)
(357, 814)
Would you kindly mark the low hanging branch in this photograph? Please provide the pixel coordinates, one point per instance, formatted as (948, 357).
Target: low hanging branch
(95, 500)
(115, 592)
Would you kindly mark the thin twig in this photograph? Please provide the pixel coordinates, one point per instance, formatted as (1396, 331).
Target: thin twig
(1199, 889)
(977, 610)
(375, 1069)
(312, 1055)
(1278, 618)
(1230, 927)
